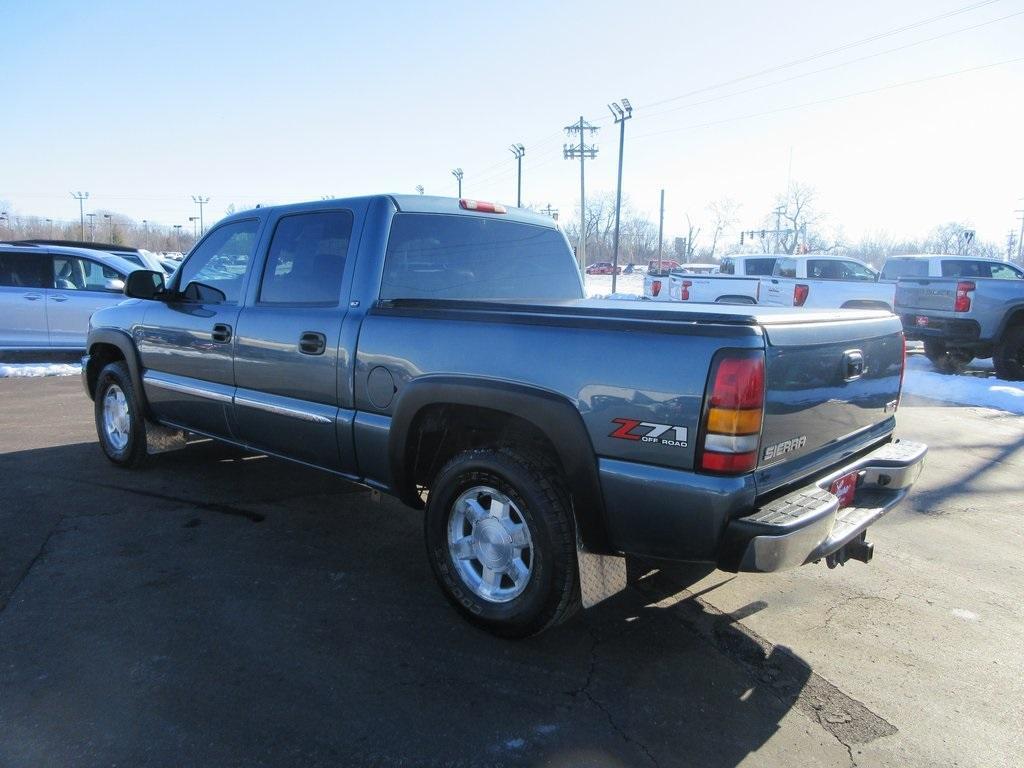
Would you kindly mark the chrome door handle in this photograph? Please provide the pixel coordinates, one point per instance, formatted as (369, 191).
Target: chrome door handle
(59, 298)
(32, 296)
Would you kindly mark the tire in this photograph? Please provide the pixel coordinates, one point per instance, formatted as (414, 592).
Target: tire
(536, 499)
(947, 359)
(1008, 356)
(120, 425)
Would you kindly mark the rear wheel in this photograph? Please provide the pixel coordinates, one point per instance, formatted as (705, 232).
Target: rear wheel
(119, 421)
(501, 541)
(947, 359)
(1008, 356)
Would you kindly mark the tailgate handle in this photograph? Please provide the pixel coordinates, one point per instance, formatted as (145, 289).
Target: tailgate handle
(853, 364)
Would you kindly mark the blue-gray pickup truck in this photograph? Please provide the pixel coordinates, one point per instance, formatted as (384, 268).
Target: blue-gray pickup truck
(443, 351)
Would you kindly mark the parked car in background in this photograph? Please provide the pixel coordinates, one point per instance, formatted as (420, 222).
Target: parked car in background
(823, 281)
(603, 268)
(737, 282)
(662, 267)
(138, 256)
(442, 351)
(48, 293)
(945, 265)
(979, 313)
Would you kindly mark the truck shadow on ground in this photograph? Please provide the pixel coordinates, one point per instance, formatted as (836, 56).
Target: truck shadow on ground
(218, 608)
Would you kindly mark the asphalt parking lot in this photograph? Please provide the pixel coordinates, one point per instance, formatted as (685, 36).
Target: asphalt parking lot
(223, 609)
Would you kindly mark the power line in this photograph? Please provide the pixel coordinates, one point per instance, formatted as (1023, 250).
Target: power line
(822, 54)
(831, 67)
(831, 98)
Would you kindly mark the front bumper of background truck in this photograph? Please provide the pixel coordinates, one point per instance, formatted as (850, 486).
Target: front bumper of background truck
(808, 524)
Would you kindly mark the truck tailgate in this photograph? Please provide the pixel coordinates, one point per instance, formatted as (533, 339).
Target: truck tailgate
(937, 294)
(831, 389)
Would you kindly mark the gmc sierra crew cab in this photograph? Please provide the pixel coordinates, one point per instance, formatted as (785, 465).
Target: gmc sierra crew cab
(442, 351)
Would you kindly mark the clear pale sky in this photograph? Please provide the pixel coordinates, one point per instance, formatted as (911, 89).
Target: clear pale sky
(145, 104)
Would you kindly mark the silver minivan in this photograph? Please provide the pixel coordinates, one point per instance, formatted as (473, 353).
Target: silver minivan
(47, 294)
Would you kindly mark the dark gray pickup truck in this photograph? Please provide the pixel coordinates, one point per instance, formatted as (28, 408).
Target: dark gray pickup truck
(442, 351)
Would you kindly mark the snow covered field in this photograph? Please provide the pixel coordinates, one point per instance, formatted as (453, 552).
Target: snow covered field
(601, 285)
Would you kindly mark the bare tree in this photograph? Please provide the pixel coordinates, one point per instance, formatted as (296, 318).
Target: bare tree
(724, 216)
(797, 213)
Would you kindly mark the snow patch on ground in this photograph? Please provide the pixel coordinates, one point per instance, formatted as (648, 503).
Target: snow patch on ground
(977, 386)
(626, 286)
(35, 370)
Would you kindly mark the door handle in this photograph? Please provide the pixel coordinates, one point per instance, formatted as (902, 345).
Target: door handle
(32, 296)
(58, 298)
(221, 333)
(312, 343)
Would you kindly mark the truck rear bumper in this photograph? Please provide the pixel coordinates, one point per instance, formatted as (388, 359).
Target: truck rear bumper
(808, 524)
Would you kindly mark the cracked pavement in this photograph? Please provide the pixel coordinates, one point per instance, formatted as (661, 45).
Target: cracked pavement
(222, 609)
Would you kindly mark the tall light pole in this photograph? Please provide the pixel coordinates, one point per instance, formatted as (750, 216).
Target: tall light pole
(621, 115)
(1020, 240)
(50, 222)
(457, 173)
(81, 197)
(110, 227)
(92, 226)
(195, 223)
(661, 226)
(582, 151)
(177, 237)
(419, 189)
(518, 150)
(200, 201)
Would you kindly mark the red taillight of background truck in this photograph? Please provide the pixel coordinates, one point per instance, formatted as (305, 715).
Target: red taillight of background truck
(655, 287)
(964, 288)
(800, 292)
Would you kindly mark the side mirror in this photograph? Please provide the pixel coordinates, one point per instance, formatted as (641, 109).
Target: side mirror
(144, 284)
(204, 294)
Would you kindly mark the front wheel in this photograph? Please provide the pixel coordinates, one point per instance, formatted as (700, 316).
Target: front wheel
(947, 359)
(501, 541)
(119, 422)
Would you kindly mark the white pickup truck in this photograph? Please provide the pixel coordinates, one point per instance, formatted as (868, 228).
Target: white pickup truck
(737, 282)
(826, 282)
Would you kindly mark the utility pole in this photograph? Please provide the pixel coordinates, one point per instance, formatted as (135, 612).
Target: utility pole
(549, 211)
(661, 226)
(582, 151)
(1020, 240)
(778, 223)
(621, 114)
(81, 197)
(1011, 243)
(195, 223)
(457, 173)
(110, 227)
(420, 190)
(518, 150)
(92, 226)
(200, 201)
(177, 237)
(50, 222)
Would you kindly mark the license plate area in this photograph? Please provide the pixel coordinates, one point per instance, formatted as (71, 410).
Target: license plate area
(921, 321)
(845, 488)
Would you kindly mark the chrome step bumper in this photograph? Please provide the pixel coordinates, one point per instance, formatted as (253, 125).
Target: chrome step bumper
(808, 524)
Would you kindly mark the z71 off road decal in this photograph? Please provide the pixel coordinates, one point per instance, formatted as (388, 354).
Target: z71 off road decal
(648, 432)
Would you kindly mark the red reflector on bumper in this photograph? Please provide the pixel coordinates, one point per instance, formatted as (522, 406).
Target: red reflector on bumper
(845, 488)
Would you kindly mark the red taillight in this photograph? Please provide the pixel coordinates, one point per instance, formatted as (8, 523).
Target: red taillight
(732, 422)
(738, 383)
(800, 292)
(481, 207)
(963, 299)
(684, 290)
(655, 287)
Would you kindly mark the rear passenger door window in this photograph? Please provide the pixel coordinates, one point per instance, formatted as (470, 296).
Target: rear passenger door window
(221, 260)
(306, 260)
(787, 268)
(25, 270)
